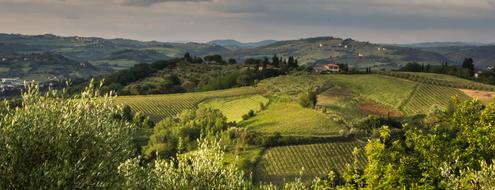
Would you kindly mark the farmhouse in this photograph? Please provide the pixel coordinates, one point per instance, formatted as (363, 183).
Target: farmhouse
(327, 68)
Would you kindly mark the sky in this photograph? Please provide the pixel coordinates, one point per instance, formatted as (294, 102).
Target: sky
(379, 21)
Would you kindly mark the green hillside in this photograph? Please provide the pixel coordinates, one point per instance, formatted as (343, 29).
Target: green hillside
(235, 108)
(158, 107)
(290, 119)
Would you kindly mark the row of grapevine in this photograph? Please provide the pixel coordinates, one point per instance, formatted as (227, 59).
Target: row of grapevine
(312, 160)
(446, 83)
(157, 107)
(427, 96)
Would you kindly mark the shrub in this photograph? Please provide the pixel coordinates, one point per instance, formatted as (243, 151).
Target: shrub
(52, 142)
(200, 169)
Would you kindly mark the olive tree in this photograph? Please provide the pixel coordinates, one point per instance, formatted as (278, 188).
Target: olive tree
(200, 169)
(57, 142)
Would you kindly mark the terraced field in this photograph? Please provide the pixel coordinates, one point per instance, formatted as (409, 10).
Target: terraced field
(158, 107)
(426, 96)
(293, 120)
(235, 108)
(286, 162)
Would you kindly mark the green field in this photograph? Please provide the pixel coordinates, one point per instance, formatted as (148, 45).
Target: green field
(235, 108)
(385, 90)
(287, 162)
(158, 107)
(288, 87)
(293, 120)
(426, 96)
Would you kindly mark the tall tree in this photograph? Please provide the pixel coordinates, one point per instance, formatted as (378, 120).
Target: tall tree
(469, 64)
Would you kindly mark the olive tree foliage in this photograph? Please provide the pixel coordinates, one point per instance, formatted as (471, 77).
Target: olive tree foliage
(57, 142)
(461, 137)
(483, 179)
(200, 169)
(184, 130)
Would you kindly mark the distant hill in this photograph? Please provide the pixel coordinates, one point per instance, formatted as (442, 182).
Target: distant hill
(355, 53)
(109, 55)
(236, 44)
(441, 44)
(484, 56)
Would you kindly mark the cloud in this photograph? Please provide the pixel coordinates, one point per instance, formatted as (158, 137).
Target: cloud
(203, 20)
(151, 2)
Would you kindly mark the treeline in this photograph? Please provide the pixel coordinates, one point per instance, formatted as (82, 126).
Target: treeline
(192, 73)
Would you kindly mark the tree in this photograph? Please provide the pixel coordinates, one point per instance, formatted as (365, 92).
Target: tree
(265, 63)
(53, 142)
(412, 67)
(307, 99)
(275, 61)
(469, 65)
(410, 158)
(232, 61)
(187, 57)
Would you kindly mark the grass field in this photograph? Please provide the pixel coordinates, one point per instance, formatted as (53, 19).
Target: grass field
(158, 107)
(294, 120)
(385, 90)
(426, 96)
(286, 162)
(235, 108)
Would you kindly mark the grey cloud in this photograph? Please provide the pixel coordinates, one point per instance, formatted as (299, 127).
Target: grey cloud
(151, 2)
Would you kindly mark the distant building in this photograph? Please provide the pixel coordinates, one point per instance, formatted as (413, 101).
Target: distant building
(332, 67)
(326, 68)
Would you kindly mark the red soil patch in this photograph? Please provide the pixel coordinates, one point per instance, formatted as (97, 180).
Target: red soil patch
(483, 96)
(378, 109)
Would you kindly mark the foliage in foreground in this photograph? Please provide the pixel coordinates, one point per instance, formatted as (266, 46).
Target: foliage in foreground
(200, 169)
(414, 157)
(53, 142)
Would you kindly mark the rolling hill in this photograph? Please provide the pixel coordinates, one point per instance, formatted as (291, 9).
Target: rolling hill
(108, 55)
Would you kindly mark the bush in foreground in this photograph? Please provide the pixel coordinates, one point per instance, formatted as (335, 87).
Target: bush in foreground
(54, 142)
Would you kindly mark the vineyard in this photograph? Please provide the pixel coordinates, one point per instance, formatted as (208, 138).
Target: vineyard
(288, 87)
(235, 108)
(158, 107)
(381, 89)
(441, 80)
(293, 120)
(426, 96)
(286, 162)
